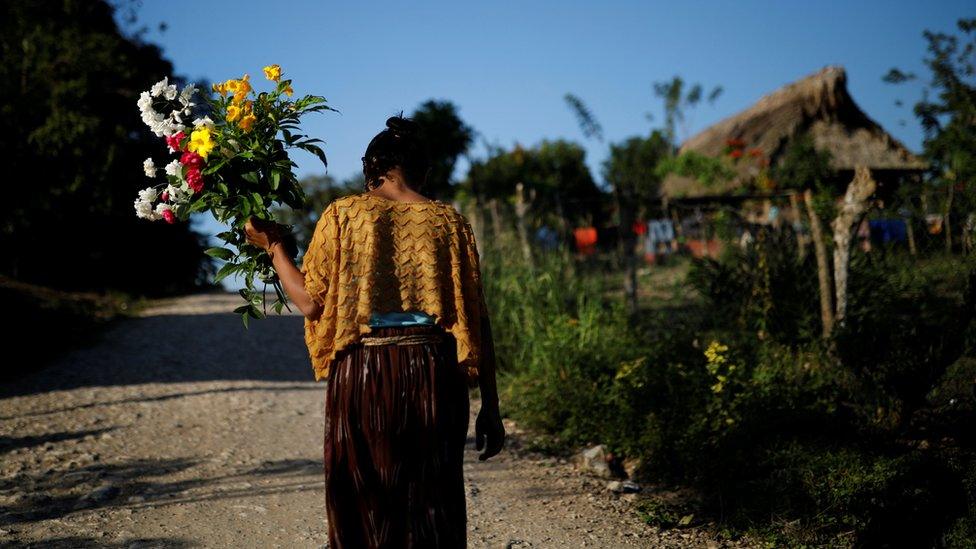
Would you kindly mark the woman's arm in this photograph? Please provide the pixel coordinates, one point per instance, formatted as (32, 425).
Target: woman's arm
(266, 236)
(293, 282)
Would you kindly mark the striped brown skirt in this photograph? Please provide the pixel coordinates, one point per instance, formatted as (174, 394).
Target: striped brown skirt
(396, 420)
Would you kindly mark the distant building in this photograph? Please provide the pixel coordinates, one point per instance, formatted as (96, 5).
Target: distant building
(819, 106)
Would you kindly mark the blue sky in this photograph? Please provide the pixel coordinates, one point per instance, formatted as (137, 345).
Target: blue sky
(507, 65)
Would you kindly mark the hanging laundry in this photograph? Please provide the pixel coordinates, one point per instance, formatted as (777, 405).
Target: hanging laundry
(585, 239)
(659, 231)
(888, 230)
(547, 238)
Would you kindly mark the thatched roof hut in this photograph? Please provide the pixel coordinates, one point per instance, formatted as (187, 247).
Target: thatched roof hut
(819, 106)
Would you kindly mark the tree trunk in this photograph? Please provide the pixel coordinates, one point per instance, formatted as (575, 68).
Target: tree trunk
(856, 203)
(823, 266)
(521, 209)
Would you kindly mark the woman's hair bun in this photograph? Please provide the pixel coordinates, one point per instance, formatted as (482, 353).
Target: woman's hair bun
(402, 126)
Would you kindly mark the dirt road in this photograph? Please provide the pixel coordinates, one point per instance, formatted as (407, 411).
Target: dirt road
(179, 428)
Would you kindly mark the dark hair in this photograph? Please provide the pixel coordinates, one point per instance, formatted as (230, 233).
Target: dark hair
(399, 145)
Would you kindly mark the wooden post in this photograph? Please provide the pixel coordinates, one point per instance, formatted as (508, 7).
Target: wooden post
(947, 214)
(521, 208)
(910, 232)
(823, 267)
(496, 221)
(801, 243)
(851, 213)
(567, 234)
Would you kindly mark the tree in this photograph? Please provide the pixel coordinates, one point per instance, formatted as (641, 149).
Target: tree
(320, 190)
(73, 147)
(631, 167)
(447, 138)
(676, 101)
(947, 112)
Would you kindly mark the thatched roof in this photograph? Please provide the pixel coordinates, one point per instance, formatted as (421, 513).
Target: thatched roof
(818, 105)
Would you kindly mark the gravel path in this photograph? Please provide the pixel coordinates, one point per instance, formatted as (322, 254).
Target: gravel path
(177, 429)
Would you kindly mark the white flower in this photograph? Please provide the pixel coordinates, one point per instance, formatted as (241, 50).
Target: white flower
(186, 94)
(144, 210)
(149, 167)
(162, 207)
(170, 92)
(148, 194)
(178, 193)
(143, 204)
(174, 168)
(205, 122)
(144, 102)
(159, 87)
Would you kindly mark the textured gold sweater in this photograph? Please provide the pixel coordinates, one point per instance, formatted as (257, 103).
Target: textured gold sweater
(373, 254)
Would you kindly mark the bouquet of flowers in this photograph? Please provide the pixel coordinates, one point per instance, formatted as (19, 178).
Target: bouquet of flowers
(233, 162)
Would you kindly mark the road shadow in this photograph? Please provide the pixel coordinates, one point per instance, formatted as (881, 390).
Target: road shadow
(137, 483)
(178, 348)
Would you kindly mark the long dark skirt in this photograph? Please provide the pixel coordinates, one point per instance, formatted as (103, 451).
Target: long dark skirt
(396, 420)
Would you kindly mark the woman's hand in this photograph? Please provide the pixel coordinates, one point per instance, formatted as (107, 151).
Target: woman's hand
(262, 233)
(489, 433)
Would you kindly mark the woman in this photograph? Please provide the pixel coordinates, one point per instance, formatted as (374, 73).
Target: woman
(396, 323)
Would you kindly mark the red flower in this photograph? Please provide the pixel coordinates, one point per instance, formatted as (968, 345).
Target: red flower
(737, 153)
(194, 179)
(165, 196)
(173, 141)
(169, 216)
(755, 153)
(191, 160)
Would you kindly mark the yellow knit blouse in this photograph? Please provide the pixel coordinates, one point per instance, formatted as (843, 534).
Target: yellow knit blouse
(373, 254)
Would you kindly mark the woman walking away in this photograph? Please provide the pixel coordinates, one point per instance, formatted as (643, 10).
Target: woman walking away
(396, 325)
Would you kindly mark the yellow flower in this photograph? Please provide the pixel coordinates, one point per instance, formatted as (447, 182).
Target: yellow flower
(242, 89)
(220, 88)
(231, 86)
(288, 91)
(247, 122)
(272, 72)
(233, 113)
(201, 142)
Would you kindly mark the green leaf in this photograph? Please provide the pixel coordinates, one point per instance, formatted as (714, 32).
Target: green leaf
(220, 253)
(226, 270)
(250, 177)
(275, 179)
(242, 309)
(258, 199)
(317, 152)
